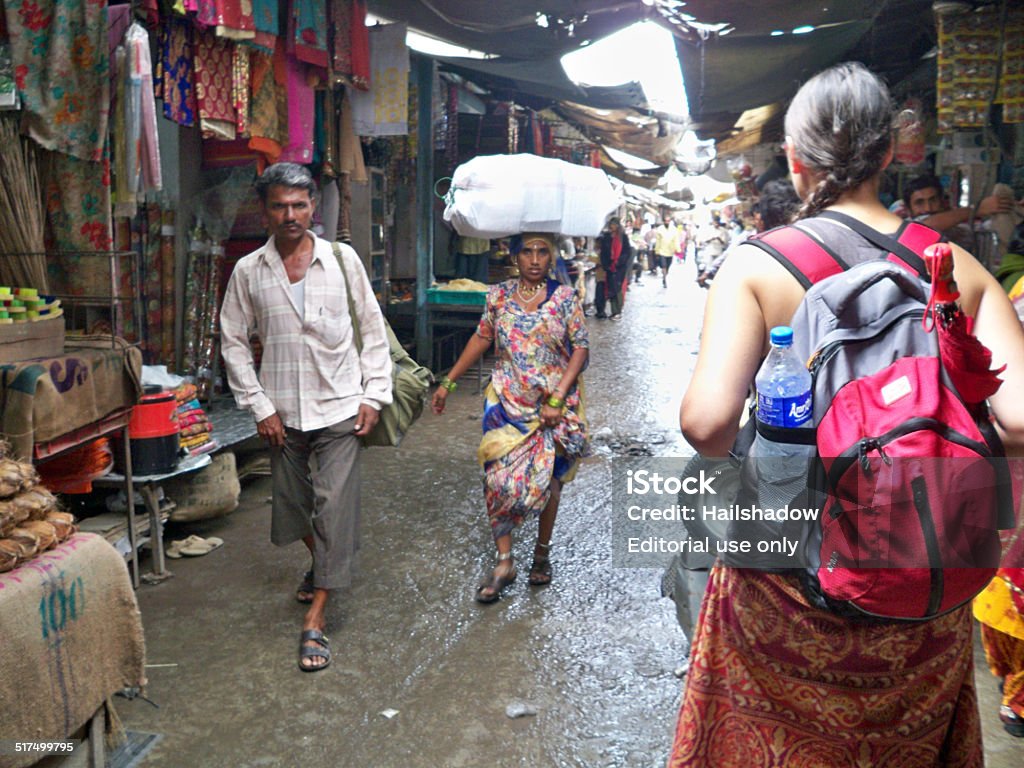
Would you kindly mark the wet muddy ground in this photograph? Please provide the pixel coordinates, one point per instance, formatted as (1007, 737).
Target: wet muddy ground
(423, 676)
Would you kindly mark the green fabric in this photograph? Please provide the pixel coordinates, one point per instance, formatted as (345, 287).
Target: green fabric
(1010, 270)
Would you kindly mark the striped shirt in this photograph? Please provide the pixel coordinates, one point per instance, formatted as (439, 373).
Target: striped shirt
(311, 374)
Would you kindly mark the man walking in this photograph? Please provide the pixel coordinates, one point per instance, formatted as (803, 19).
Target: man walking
(314, 394)
(666, 244)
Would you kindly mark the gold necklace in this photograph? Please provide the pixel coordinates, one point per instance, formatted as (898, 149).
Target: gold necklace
(527, 295)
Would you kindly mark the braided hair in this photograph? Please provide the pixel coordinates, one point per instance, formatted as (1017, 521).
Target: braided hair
(841, 124)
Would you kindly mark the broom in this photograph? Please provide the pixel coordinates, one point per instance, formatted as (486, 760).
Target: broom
(22, 256)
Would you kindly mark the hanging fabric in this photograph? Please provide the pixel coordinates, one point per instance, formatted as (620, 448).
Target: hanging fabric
(234, 19)
(307, 33)
(384, 109)
(214, 78)
(301, 114)
(360, 46)
(177, 78)
(63, 56)
(265, 126)
(265, 18)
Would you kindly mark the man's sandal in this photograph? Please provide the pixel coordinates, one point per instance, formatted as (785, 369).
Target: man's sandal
(540, 571)
(490, 591)
(321, 650)
(304, 594)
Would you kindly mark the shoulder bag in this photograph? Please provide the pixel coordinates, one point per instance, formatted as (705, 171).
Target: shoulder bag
(410, 380)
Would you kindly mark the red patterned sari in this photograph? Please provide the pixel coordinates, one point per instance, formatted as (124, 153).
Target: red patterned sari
(775, 683)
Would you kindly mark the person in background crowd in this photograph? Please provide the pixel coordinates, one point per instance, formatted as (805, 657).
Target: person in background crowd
(616, 257)
(666, 245)
(711, 242)
(315, 394)
(534, 425)
(471, 258)
(641, 248)
(1000, 609)
(776, 206)
(795, 684)
(926, 203)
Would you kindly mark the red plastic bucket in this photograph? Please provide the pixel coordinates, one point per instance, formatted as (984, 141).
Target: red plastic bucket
(156, 415)
(153, 433)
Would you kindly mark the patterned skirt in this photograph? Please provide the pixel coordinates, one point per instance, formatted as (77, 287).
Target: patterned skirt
(520, 458)
(775, 683)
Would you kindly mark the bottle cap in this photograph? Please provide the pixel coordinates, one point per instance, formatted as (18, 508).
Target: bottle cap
(782, 336)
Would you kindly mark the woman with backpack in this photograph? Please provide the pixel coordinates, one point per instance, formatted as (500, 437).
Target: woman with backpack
(774, 680)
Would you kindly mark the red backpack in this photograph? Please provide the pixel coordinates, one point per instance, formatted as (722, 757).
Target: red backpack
(909, 478)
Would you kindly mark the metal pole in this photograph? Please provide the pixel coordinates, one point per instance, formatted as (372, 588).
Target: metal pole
(424, 68)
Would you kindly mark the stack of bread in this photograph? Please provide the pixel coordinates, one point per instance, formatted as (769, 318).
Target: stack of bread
(30, 520)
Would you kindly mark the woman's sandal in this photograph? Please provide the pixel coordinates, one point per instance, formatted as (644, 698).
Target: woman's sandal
(304, 594)
(490, 591)
(540, 571)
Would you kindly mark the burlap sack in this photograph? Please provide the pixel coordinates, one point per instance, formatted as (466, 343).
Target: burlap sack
(211, 492)
(72, 637)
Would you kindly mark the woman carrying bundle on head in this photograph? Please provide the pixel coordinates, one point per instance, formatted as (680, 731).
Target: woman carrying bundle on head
(534, 426)
(775, 681)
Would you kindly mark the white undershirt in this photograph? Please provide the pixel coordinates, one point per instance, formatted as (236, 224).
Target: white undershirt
(299, 295)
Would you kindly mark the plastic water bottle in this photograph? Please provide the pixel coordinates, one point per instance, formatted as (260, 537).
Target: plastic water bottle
(784, 402)
(783, 384)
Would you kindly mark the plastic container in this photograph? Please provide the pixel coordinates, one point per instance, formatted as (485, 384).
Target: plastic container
(153, 433)
(442, 296)
(784, 443)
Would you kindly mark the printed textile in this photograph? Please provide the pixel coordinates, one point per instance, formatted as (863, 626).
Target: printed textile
(384, 109)
(301, 115)
(309, 31)
(77, 194)
(177, 78)
(62, 60)
(520, 457)
(350, 43)
(775, 682)
(214, 66)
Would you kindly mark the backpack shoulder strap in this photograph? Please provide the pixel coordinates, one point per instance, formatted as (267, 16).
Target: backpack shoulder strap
(807, 259)
(905, 249)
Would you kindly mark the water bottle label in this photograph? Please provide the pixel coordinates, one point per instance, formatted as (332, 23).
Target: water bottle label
(784, 411)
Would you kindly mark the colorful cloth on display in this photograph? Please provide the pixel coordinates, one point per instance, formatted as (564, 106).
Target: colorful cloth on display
(266, 126)
(240, 84)
(77, 194)
(520, 457)
(176, 77)
(774, 682)
(234, 19)
(265, 19)
(215, 85)
(308, 31)
(301, 115)
(350, 42)
(62, 60)
(384, 109)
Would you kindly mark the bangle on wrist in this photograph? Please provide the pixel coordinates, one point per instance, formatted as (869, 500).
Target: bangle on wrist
(555, 401)
(448, 385)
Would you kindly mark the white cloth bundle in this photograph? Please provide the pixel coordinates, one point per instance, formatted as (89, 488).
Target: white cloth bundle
(500, 195)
